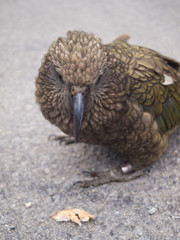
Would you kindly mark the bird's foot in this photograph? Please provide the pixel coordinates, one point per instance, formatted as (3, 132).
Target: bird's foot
(126, 174)
(66, 140)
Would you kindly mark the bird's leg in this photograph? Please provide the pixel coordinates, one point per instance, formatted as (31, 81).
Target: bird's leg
(126, 174)
(62, 139)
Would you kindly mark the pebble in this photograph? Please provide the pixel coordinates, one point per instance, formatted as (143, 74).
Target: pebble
(152, 211)
(28, 205)
(12, 227)
(176, 217)
(139, 232)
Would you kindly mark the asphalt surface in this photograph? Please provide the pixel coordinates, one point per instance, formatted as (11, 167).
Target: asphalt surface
(36, 170)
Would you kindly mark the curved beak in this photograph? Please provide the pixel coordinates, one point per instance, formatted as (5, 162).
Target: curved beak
(78, 104)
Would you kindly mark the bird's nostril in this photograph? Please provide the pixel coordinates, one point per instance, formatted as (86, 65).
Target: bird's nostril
(73, 90)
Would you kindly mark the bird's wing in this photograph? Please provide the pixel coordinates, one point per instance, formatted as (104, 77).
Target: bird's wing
(154, 82)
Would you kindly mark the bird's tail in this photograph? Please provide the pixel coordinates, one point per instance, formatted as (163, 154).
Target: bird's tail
(121, 38)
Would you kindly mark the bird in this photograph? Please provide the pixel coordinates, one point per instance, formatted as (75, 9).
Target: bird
(119, 95)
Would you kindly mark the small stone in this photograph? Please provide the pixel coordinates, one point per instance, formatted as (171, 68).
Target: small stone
(12, 227)
(152, 211)
(139, 232)
(111, 233)
(176, 217)
(117, 213)
(28, 205)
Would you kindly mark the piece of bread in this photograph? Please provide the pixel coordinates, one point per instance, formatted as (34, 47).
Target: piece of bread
(74, 215)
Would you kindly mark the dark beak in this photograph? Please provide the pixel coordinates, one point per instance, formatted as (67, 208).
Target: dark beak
(78, 104)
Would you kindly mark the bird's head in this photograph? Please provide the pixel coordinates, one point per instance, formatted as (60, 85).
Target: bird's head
(72, 68)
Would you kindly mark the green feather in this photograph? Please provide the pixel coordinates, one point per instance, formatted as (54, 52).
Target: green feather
(162, 124)
(170, 116)
(176, 111)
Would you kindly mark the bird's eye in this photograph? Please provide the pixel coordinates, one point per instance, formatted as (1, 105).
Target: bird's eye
(98, 80)
(61, 79)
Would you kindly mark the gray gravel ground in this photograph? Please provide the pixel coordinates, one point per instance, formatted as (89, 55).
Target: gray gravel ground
(36, 170)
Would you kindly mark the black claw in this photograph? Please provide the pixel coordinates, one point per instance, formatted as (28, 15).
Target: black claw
(52, 137)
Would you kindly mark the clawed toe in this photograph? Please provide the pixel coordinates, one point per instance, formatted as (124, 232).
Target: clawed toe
(105, 177)
(62, 139)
